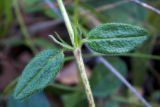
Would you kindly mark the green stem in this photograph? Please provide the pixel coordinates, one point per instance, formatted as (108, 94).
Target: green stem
(22, 26)
(67, 21)
(10, 87)
(77, 54)
(133, 55)
(80, 63)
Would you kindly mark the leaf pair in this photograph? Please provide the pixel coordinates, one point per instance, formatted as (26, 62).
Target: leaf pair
(112, 38)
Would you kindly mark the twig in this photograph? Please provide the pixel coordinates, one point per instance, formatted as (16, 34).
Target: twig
(136, 55)
(147, 6)
(52, 6)
(104, 7)
(32, 29)
(22, 26)
(112, 5)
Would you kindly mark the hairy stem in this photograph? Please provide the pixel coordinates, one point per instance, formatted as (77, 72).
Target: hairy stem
(77, 54)
(80, 63)
(67, 21)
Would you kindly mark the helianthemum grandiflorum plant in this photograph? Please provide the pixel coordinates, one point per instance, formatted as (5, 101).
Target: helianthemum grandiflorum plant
(109, 38)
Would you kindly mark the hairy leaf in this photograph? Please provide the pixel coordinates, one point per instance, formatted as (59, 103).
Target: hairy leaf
(116, 38)
(39, 73)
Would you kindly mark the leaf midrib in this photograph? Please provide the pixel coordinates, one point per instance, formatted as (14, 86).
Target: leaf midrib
(113, 38)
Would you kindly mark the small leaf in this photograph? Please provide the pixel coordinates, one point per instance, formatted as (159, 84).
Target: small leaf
(39, 73)
(116, 38)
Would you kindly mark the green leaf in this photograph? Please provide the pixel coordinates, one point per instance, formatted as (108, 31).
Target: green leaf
(37, 100)
(76, 99)
(39, 73)
(116, 38)
(103, 82)
(124, 12)
(112, 104)
(60, 89)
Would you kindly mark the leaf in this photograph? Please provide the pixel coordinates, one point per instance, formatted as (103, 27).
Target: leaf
(9, 88)
(138, 72)
(76, 99)
(60, 89)
(116, 38)
(39, 73)
(120, 11)
(42, 43)
(112, 104)
(37, 100)
(103, 82)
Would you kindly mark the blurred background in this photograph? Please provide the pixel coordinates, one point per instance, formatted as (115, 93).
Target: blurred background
(24, 29)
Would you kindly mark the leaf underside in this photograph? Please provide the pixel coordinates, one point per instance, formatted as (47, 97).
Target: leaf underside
(39, 73)
(116, 38)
